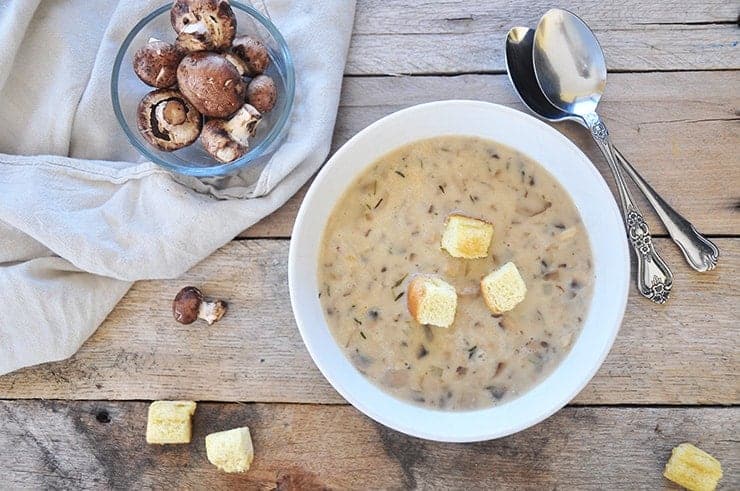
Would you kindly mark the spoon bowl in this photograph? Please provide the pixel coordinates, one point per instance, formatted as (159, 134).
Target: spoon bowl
(520, 67)
(569, 63)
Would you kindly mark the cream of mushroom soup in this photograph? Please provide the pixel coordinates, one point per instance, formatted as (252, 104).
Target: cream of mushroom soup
(386, 228)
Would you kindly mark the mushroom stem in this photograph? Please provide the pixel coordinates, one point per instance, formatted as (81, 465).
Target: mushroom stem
(211, 311)
(244, 125)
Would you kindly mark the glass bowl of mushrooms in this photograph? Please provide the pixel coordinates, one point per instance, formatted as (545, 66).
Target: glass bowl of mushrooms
(204, 87)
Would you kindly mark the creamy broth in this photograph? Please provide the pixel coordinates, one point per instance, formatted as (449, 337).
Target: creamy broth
(387, 227)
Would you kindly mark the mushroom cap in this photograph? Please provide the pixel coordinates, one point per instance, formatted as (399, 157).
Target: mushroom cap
(203, 24)
(262, 93)
(211, 83)
(167, 120)
(156, 63)
(186, 305)
(228, 140)
(253, 53)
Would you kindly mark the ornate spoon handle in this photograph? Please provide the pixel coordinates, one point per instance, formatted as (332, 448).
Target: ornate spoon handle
(654, 278)
(700, 252)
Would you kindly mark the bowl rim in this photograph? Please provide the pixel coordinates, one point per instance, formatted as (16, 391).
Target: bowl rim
(381, 413)
(222, 168)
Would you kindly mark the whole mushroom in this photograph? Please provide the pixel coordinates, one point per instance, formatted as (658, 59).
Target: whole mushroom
(156, 63)
(211, 83)
(190, 305)
(203, 24)
(253, 53)
(227, 140)
(167, 120)
(261, 93)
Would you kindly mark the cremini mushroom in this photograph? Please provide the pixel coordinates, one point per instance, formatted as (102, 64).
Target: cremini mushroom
(261, 93)
(239, 64)
(254, 54)
(203, 24)
(190, 305)
(167, 120)
(156, 63)
(227, 140)
(211, 83)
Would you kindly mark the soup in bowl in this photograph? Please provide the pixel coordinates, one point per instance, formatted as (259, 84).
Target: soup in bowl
(373, 223)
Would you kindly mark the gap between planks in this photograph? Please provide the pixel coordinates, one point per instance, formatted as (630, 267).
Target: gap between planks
(347, 404)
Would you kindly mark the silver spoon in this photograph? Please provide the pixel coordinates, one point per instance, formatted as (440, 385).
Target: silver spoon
(571, 71)
(700, 253)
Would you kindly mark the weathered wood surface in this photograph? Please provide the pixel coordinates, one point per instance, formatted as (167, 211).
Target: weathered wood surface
(401, 36)
(683, 353)
(101, 445)
(677, 120)
(681, 130)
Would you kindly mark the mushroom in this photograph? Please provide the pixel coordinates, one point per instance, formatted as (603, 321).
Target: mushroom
(156, 63)
(203, 24)
(227, 140)
(190, 305)
(211, 83)
(167, 120)
(239, 64)
(261, 93)
(253, 53)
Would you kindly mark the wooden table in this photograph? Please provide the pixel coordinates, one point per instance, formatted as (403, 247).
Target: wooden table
(672, 375)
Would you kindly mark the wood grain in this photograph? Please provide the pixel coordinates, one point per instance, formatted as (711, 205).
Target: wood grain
(682, 353)
(679, 129)
(101, 445)
(407, 37)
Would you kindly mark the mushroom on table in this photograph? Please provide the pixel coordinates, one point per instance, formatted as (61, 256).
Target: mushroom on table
(189, 305)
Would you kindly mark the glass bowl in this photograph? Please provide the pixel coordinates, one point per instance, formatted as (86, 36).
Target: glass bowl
(127, 90)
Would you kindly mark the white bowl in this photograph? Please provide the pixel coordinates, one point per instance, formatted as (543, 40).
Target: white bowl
(575, 173)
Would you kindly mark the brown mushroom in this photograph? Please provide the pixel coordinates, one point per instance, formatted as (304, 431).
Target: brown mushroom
(203, 24)
(156, 63)
(211, 83)
(190, 305)
(167, 120)
(253, 52)
(227, 140)
(239, 64)
(261, 93)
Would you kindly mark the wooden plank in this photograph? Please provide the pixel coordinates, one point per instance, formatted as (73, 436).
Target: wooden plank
(403, 36)
(101, 445)
(679, 129)
(682, 353)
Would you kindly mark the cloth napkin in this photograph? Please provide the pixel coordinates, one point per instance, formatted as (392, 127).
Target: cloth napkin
(82, 215)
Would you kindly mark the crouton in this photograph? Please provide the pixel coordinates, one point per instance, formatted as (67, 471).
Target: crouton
(231, 450)
(169, 422)
(466, 237)
(693, 468)
(503, 288)
(432, 301)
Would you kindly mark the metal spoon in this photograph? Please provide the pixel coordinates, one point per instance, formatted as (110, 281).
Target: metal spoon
(571, 71)
(700, 253)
